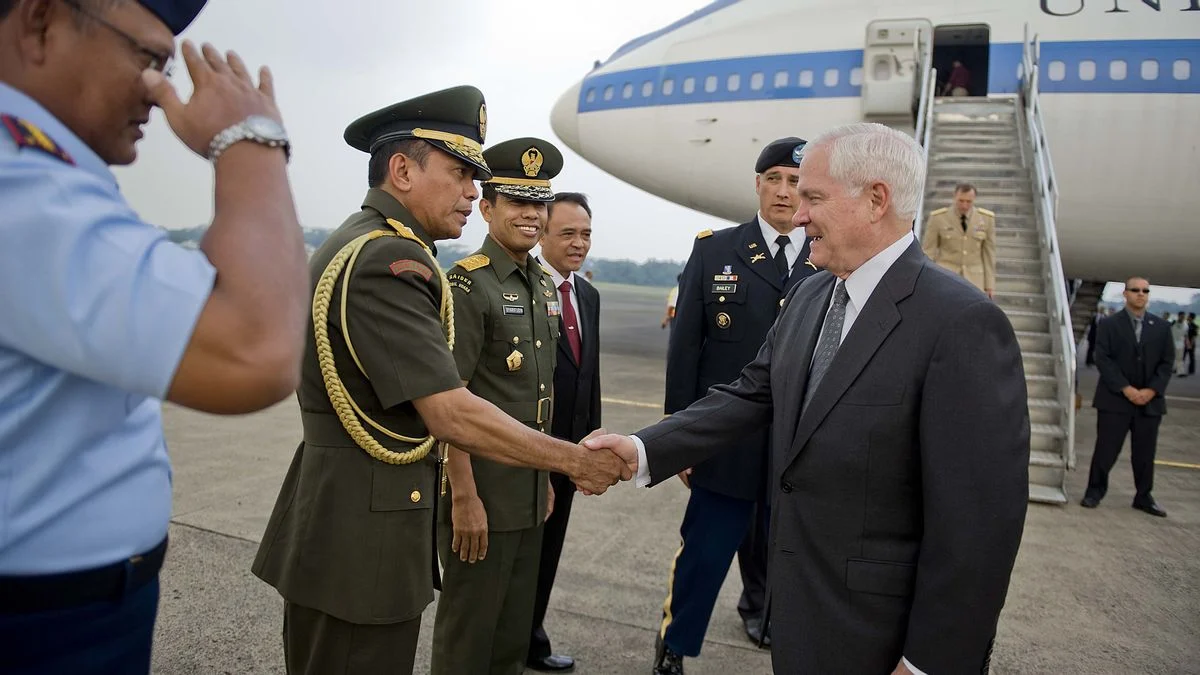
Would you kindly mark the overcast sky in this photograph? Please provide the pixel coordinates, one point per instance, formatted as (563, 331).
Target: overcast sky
(335, 61)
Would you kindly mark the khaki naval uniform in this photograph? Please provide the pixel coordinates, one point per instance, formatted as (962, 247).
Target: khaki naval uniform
(350, 542)
(970, 254)
(506, 326)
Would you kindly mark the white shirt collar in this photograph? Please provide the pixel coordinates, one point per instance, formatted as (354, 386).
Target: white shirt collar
(559, 278)
(862, 282)
(770, 234)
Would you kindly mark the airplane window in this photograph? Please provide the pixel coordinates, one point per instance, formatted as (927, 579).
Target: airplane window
(1087, 70)
(856, 76)
(806, 78)
(1149, 69)
(756, 81)
(627, 91)
(668, 87)
(647, 89)
(591, 95)
(1182, 69)
(1116, 70)
(831, 77)
(689, 85)
(881, 69)
(710, 83)
(1057, 71)
(781, 78)
(734, 82)
(608, 93)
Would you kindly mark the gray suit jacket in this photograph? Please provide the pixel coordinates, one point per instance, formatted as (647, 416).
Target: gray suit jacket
(899, 497)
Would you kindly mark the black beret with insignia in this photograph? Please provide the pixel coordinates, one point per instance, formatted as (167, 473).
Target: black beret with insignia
(452, 120)
(177, 14)
(783, 152)
(522, 168)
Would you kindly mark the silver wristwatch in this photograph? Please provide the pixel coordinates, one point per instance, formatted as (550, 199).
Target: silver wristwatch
(254, 128)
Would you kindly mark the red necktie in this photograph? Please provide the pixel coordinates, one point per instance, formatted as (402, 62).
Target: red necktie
(569, 320)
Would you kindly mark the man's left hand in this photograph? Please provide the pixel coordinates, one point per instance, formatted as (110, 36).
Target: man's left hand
(549, 499)
(991, 293)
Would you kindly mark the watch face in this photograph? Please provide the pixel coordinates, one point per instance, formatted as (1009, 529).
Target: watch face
(266, 127)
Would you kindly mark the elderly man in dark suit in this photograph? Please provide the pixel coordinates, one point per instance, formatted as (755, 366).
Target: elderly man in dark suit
(565, 247)
(1135, 356)
(899, 433)
(728, 299)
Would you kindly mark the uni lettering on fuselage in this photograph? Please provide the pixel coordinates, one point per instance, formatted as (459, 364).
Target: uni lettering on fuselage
(1073, 7)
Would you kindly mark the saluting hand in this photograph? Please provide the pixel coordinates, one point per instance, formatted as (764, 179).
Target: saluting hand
(223, 95)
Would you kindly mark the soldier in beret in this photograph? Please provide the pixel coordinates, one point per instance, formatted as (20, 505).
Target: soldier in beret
(350, 544)
(729, 297)
(104, 317)
(506, 320)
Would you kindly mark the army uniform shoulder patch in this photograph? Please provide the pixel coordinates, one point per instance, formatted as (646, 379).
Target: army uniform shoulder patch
(474, 262)
(460, 281)
(985, 212)
(401, 266)
(938, 212)
(26, 135)
(704, 234)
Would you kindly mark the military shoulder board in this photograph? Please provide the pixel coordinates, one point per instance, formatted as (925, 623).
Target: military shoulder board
(474, 262)
(704, 234)
(26, 135)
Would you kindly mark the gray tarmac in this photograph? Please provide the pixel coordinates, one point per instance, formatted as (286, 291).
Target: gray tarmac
(1109, 590)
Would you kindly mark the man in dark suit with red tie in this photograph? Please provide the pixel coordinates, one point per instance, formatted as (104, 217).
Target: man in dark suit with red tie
(576, 393)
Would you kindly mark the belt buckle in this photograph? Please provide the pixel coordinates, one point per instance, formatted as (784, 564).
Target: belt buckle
(540, 417)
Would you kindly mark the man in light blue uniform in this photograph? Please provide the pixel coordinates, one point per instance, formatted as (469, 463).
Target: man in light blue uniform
(102, 317)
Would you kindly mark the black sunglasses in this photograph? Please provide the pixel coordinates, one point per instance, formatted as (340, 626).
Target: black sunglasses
(162, 62)
(1138, 290)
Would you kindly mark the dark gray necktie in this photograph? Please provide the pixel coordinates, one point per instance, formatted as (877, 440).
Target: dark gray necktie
(1137, 329)
(781, 263)
(831, 338)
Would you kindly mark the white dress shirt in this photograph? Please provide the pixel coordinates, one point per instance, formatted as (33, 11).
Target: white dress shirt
(570, 278)
(859, 286)
(770, 234)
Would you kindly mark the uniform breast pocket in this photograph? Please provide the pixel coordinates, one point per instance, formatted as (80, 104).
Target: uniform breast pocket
(725, 314)
(511, 345)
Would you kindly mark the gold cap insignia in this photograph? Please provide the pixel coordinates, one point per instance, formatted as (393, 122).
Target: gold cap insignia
(482, 122)
(758, 256)
(723, 320)
(532, 161)
(511, 297)
(514, 361)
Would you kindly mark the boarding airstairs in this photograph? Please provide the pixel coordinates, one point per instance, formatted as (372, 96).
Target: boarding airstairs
(998, 144)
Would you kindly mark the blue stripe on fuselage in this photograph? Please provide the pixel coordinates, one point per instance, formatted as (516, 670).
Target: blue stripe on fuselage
(829, 74)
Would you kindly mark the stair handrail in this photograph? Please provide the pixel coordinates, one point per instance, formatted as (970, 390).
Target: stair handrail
(924, 130)
(1047, 212)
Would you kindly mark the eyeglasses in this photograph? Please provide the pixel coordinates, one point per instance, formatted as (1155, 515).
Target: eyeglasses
(160, 61)
(1138, 290)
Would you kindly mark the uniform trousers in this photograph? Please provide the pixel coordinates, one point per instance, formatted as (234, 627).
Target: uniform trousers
(552, 545)
(714, 525)
(486, 607)
(1111, 428)
(315, 643)
(100, 638)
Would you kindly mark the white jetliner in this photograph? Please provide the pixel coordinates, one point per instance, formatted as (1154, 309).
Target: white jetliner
(683, 112)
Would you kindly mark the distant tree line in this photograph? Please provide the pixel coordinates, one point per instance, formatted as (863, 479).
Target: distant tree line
(650, 273)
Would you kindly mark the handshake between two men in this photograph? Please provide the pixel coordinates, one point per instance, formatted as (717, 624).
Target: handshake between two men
(604, 447)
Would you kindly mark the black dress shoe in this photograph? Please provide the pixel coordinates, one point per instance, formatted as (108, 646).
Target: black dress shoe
(754, 631)
(666, 660)
(555, 663)
(1151, 508)
(1089, 502)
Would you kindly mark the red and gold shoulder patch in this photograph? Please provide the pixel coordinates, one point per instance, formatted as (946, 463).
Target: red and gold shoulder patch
(401, 266)
(26, 135)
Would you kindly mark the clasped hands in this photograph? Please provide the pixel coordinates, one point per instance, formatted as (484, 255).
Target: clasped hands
(1138, 396)
(608, 458)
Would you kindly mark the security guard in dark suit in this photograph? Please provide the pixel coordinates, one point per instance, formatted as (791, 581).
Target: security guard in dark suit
(507, 327)
(729, 296)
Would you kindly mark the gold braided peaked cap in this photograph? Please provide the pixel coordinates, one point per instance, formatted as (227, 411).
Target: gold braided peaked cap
(522, 168)
(453, 120)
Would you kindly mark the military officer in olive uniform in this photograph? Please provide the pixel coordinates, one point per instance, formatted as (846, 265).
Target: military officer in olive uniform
(729, 296)
(506, 322)
(962, 238)
(350, 543)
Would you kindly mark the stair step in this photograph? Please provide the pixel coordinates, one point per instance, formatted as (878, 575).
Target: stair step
(1034, 341)
(1028, 236)
(1045, 411)
(1038, 363)
(1041, 386)
(1027, 320)
(1035, 302)
(1047, 494)
(1019, 283)
(1046, 438)
(1017, 251)
(1017, 266)
(980, 172)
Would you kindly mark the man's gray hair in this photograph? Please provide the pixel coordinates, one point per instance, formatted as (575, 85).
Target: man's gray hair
(861, 154)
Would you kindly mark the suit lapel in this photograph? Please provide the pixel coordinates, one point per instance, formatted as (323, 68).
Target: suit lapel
(875, 322)
(587, 326)
(809, 331)
(754, 252)
(1125, 325)
(802, 269)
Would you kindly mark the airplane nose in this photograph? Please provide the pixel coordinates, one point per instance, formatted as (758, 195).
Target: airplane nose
(564, 117)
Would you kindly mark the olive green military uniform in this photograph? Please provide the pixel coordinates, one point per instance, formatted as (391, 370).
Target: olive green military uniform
(970, 252)
(350, 543)
(506, 325)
